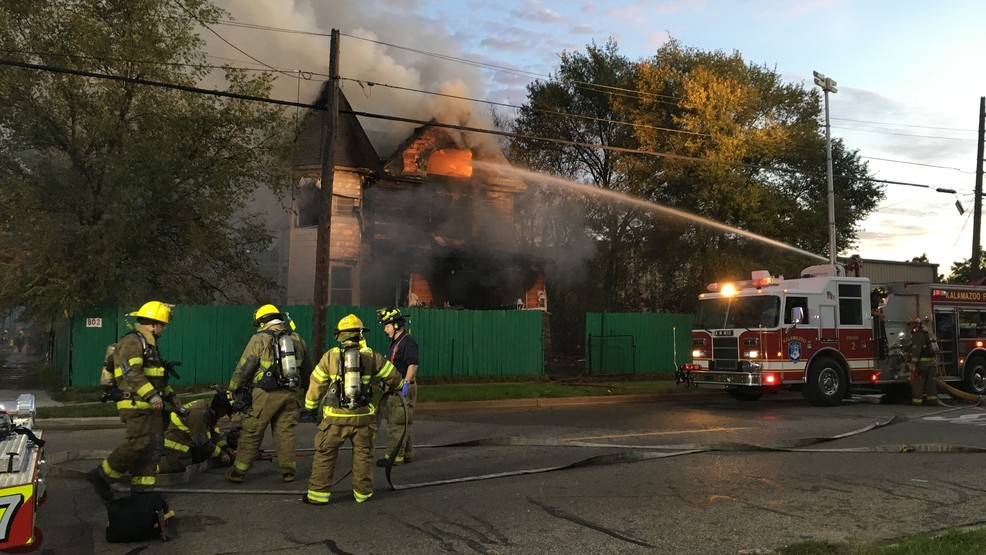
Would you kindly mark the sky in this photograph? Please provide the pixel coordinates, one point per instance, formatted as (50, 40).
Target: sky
(909, 75)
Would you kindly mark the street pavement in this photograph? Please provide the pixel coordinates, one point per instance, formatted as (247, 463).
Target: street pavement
(686, 474)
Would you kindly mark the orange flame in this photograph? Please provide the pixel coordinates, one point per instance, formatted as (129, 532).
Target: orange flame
(450, 161)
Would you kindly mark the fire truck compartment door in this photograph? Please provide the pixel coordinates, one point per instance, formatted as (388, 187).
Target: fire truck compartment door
(827, 322)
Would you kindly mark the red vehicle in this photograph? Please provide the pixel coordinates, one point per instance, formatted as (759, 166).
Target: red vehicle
(22, 475)
(828, 334)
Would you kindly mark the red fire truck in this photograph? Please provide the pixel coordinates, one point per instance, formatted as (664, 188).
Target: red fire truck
(22, 475)
(828, 334)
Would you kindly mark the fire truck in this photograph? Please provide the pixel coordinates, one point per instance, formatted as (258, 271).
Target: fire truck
(828, 334)
(22, 475)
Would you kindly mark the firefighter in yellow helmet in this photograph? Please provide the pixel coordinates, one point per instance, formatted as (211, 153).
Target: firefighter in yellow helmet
(269, 375)
(403, 354)
(922, 355)
(341, 392)
(141, 391)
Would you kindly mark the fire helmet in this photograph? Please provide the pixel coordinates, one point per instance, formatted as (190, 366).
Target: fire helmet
(155, 311)
(265, 314)
(914, 321)
(349, 323)
(391, 315)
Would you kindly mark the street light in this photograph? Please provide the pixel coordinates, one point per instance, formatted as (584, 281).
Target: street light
(828, 85)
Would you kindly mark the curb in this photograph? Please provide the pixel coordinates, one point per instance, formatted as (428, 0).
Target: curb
(107, 422)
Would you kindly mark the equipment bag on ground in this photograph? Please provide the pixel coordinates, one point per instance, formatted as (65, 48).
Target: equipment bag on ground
(138, 517)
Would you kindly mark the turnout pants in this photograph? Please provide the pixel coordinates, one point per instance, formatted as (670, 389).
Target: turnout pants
(278, 409)
(140, 453)
(327, 443)
(923, 381)
(395, 422)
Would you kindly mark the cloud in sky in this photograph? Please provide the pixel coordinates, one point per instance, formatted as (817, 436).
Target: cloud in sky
(906, 91)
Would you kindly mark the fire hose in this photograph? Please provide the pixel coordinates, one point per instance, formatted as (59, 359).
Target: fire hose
(629, 453)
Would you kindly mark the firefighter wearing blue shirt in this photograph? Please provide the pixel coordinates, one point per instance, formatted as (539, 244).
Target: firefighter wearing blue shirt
(403, 354)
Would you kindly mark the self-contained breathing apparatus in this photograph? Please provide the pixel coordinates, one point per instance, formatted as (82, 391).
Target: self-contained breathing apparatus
(283, 372)
(347, 389)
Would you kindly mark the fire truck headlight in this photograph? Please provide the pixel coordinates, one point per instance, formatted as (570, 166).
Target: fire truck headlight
(752, 353)
(698, 353)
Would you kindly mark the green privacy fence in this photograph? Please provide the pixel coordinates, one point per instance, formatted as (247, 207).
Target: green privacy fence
(637, 342)
(208, 340)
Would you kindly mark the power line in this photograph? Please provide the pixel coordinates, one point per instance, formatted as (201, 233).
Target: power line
(508, 134)
(308, 75)
(904, 125)
(238, 49)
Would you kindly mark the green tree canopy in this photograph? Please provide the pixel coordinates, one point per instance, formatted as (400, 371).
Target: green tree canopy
(715, 137)
(117, 192)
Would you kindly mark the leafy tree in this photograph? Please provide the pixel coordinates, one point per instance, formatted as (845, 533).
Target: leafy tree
(718, 138)
(577, 105)
(751, 156)
(961, 272)
(118, 192)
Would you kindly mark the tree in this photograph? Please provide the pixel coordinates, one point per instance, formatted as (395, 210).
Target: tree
(117, 192)
(961, 272)
(750, 154)
(715, 137)
(577, 105)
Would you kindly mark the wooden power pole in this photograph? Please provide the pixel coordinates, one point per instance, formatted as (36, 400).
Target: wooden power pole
(977, 212)
(323, 244)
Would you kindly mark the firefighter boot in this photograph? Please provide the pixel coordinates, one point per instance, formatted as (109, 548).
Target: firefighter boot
(103, 489)
(235, 476)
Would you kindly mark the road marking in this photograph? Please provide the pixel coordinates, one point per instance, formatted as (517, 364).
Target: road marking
(670, 433)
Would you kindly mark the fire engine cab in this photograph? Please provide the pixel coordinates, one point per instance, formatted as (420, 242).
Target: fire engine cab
(828, 334)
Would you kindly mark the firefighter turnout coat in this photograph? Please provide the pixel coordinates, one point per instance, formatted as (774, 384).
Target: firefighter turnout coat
(339, 423)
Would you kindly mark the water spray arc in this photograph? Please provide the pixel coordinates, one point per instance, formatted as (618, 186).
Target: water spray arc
(634, 202)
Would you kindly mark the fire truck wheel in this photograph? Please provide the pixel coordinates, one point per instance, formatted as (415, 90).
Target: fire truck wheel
(827, 383)
(975, 376)
(745, 393)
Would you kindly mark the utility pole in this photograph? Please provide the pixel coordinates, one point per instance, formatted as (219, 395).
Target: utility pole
(323, 244)
(977, 212)
(829, 86)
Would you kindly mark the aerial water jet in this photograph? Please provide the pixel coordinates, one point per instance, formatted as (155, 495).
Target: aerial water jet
(633, 202)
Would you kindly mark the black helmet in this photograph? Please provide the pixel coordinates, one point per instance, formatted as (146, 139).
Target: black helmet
(391, 315)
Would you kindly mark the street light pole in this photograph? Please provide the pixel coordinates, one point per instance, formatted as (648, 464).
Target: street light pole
(828, 85)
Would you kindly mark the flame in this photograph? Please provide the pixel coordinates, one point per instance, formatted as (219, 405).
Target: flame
(450, 161)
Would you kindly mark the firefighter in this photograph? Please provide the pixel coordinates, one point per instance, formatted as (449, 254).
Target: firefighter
(921, 353)
(341, 392)
(878, 300)
(195, 437)
(403, 354)
(269, 375)
(141, 392)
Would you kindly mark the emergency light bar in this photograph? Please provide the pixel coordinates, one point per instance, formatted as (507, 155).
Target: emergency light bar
(760, 279)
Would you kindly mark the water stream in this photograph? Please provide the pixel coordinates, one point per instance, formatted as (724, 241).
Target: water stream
(631, 201)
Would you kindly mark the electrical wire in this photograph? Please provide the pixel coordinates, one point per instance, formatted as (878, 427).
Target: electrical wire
(508, 134)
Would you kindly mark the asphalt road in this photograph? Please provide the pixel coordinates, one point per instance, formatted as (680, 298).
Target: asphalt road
(705, 483)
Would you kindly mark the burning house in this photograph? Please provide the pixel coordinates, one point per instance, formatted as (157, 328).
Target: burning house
(427, 226)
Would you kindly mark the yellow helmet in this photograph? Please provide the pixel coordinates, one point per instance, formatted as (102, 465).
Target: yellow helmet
(155, 310)
(265, 313)
(350, 322)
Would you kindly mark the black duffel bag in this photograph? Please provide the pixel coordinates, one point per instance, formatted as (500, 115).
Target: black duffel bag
(137, 517)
